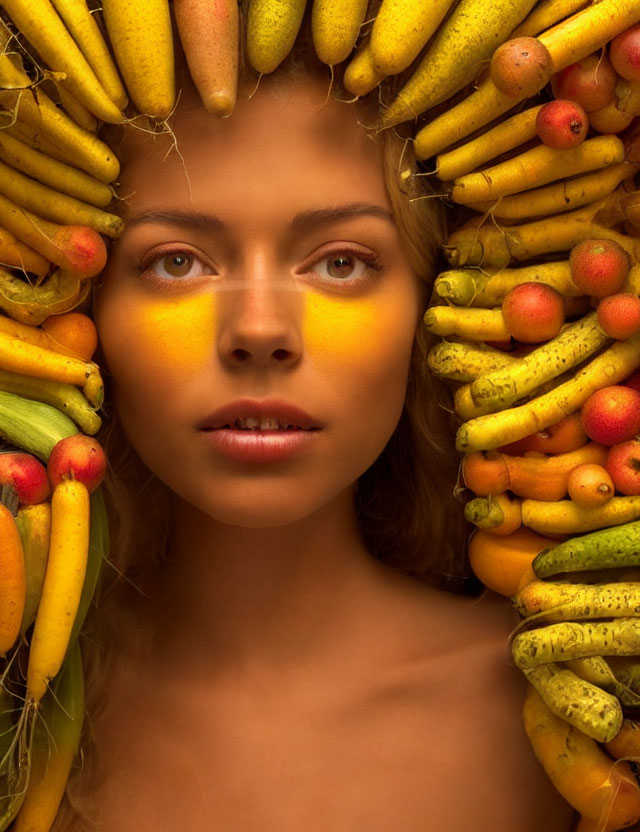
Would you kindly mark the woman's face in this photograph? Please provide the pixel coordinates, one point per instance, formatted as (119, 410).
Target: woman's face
(260, 262)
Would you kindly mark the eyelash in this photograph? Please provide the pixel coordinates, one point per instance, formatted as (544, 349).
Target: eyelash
(370, 259)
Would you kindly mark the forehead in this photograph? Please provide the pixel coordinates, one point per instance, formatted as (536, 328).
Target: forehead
(288, 138)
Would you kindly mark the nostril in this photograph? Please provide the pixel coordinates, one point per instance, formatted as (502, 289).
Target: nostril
(281, 355)
(241, 355)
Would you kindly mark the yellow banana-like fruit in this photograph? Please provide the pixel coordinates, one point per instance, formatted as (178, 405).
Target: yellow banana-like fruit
(335, 25)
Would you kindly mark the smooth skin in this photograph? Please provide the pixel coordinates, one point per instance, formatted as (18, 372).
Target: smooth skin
(287, 680)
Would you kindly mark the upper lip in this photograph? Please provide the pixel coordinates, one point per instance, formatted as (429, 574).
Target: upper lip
(285, 412)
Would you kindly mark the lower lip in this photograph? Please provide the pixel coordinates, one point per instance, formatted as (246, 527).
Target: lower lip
(259, 445)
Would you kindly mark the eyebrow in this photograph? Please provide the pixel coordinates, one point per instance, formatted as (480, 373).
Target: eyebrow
(303, 222)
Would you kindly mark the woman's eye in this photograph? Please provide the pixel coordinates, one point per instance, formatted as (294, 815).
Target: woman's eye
(342, 265)
(176, 264)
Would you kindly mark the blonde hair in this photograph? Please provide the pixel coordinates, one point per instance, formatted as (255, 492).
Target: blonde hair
(404, 502)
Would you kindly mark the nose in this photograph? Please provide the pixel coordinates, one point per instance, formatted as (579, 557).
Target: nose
(259, 320)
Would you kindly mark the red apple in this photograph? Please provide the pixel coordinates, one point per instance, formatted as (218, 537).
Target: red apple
(26, 475)
(599, 267)
(625, 53)
(619, 315)
(562, 124)
(612, 414)
(533, 312)
(623, 465)
(591, 82)
(78, 457)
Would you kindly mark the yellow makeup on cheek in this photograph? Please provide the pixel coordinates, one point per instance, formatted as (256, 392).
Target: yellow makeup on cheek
(179, 331)
(344, 328)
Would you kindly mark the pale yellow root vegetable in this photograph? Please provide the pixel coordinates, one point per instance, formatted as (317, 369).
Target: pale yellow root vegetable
(34, 525)
(473, 324)
(506, 136)
(401, 29)
(361, 75)
(610, 119)
(545, 14)
(38, 21)
(78, 112)
(574, 640)
(456, 54)
(466, 361)
(52, 205)
(580, 35)
(272, 27)
(57, 175)
(465, 408)
(141, 36)
(558, 197)
(35, 139)
(569, 602)
(17, 356)
(485, 243)
(85, 31)
(20, 256)
(596, 670)
(335, 26)
(209, 32)
(495, 429)
(537, 166)
(501, 388)
(567, 517)
(600, 788)
(475, 287)
(585, 706)
(80, 147)
(62, 588)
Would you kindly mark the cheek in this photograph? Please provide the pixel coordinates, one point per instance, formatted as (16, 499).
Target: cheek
(171, 338)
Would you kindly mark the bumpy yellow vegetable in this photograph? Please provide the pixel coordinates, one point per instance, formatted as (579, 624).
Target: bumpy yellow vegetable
(272, 27)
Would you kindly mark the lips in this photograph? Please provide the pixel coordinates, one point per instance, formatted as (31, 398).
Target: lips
(284, 412)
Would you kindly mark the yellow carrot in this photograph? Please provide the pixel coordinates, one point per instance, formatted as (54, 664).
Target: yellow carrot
(13, 592)
(34, 524)
(456, 54)
(62, 588)
(52, 205)
(559, 197)
(58, 175)
(38, 22)
(55, 744)
(505, 136)
(78, 146)
(466, 361)
(567, 517)
(361, 75)
(546, 13)
(473, 324)
(272, 27)
(335, 26)
(537, 166)
(85, 31)
(78, 112)
(401, 29)
(209, 32)
(495, 429)
(142, 41)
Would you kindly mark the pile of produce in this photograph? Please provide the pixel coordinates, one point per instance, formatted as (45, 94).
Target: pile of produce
(528, 120)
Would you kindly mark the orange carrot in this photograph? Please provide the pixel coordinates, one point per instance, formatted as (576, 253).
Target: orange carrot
(491, 472)
(209, 34)
(566, 435)
(627, 742)
(13, 588)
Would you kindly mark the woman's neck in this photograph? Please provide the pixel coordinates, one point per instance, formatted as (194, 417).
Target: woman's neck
(248, 599)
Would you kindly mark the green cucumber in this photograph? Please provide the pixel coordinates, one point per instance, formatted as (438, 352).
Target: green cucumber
(32, 426)
(605, 549)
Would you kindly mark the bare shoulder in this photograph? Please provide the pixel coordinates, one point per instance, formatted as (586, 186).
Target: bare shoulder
(469, 696)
